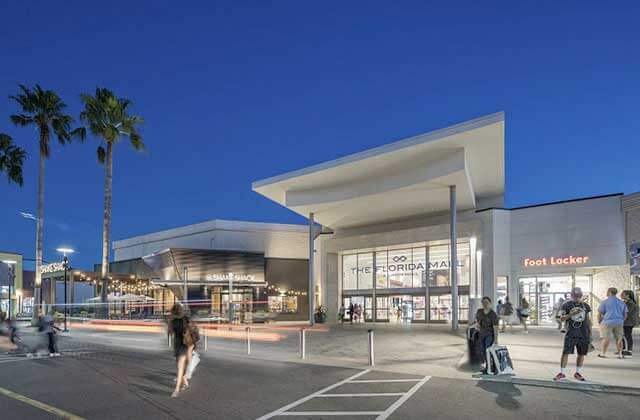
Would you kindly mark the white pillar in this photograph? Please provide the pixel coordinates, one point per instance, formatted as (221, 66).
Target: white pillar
(311, 292)
(453, 258)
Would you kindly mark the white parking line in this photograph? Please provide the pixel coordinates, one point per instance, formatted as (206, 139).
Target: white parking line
(371, 381)
(323, 393)
(402, 399)
(331, 413)
(371, 394)
(280, 411)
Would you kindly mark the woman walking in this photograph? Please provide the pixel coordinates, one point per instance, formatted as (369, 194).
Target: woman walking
(631, 321)
(183, 345)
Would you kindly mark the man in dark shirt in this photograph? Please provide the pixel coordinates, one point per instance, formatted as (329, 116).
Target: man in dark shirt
(576, 314)
(487, 323)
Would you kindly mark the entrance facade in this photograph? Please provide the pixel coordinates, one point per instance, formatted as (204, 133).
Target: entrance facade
(406, 283)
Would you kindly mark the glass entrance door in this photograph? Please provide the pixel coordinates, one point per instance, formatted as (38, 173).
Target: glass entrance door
(544, 294)
(401, 309)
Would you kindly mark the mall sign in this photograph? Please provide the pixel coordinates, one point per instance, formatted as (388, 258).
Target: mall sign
(543, 261)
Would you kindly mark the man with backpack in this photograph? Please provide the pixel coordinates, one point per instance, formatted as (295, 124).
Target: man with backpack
(576, 314)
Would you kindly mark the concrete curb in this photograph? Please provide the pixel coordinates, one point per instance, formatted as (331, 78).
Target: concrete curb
(575, 386)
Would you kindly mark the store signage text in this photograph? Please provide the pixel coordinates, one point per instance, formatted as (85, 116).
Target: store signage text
(52, 268)
(570, 260)
(230, 276)
(433, 265)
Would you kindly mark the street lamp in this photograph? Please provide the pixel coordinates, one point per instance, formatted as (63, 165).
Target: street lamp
(12, 275)
(65, 264)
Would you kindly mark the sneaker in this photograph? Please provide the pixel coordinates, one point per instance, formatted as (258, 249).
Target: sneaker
(560, 376)
(57, 354)
(563, 331)
(627, 353)
(579, 377)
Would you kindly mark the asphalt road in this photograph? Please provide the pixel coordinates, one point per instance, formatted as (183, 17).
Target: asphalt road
(96, 381)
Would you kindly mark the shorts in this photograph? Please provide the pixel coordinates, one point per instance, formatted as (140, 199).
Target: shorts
(581, 345)
(608, 330)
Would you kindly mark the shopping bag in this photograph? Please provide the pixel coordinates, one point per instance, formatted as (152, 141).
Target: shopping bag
(191, 367)
(498, 361)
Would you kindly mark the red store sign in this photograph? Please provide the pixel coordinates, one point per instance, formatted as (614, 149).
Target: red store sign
(570, 260)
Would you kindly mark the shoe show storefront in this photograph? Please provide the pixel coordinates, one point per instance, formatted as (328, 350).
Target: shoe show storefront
(409, 283)
(233, 285)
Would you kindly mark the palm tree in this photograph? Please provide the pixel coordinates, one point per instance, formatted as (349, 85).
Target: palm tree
(108, 119)
(11, 159)
(44, 110)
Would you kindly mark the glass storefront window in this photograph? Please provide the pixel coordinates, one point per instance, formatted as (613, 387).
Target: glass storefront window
(365, 271)
(502, 291)
(399, 268)
(440, 307)
(381, 270)
(464, 264)
(382, 305)
(282, 304)
(419, 308)
(545, 294)
(350, 272)
(439, 265)
(419, 265)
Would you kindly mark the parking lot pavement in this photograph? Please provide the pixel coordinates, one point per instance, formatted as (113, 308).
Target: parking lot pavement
(364, 394)
(107, 382)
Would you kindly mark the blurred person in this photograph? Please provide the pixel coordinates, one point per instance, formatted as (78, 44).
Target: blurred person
(341, 314)
(523, 313)
(557, 310)
(633, 319)
(46, 325)
(487, 324)
(575, 313)
(611, 316)
(6, 344)
(184, 342)
(507, 314)
(499, 308)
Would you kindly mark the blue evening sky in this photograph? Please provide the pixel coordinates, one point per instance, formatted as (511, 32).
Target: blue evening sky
(233, 92)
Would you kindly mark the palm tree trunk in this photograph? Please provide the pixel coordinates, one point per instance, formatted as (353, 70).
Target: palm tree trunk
(106, 226)
(37, 288)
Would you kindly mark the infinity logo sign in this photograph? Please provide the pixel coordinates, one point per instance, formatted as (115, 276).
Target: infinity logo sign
(399, 258)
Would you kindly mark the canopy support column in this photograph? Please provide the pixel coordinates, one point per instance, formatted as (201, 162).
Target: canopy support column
(311, 291)
(453, 258)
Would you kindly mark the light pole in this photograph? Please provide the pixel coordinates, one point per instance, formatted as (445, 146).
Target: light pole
(65, 264)
(12, 277)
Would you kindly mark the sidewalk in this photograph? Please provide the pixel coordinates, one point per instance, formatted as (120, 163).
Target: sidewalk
(435, 350)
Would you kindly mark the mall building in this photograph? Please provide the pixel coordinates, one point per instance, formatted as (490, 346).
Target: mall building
(382, 223)
(260, 268)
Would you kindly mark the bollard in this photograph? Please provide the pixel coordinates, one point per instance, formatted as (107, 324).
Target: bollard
(371, 355)
(248, 340)
(206, 338)
(169, 340)
(302, 343)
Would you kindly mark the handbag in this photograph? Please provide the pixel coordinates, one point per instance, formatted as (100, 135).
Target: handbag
(190, 334)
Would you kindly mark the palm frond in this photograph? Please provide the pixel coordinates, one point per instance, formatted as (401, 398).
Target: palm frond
(107, 118)
(11, 159)
(45, 110)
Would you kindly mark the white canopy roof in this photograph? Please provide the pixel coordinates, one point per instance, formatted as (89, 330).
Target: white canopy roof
(401, 179)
